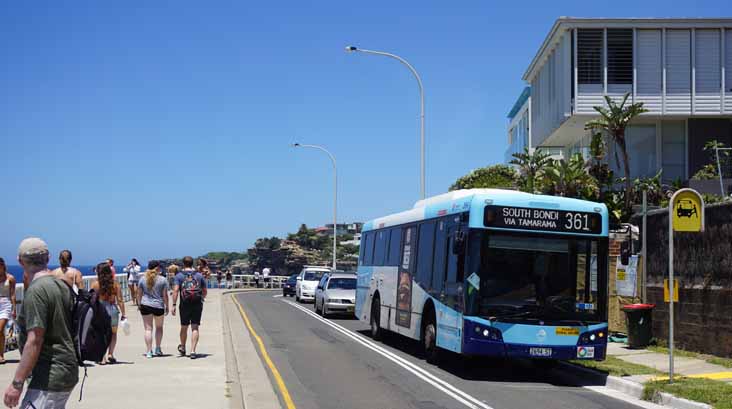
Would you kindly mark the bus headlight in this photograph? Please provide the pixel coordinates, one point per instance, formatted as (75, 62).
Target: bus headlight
(591, 337)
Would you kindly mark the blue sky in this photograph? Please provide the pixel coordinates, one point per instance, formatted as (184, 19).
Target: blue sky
(159, 130)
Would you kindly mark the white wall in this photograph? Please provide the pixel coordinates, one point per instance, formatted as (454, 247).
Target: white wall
(551, 92)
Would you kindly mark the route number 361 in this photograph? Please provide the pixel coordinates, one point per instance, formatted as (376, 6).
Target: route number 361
(576, 221)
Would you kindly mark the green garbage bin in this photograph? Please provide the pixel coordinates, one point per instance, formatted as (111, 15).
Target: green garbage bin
(639, 319)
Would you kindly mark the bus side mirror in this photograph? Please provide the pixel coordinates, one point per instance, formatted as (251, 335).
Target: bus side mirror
(458, 244)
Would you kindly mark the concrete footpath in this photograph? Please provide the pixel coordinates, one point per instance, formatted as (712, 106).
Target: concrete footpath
(683, 366)
(165, 382)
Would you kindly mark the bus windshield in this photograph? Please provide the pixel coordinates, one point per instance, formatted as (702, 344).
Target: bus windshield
(524, 277)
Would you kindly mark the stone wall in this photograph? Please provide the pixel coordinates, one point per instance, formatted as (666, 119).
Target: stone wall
(703, 267)
(702, 319)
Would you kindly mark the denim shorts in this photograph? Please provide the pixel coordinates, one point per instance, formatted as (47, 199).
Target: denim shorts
(38, 399)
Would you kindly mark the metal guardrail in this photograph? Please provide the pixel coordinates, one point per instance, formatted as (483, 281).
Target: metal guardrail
(238, 281)
(88, 280)
(247, 281)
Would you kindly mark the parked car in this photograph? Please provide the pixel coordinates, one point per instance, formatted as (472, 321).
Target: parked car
(336, 293)
(307, 281)
(288, 288)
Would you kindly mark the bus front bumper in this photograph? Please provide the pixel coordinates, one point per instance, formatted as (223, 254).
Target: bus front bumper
(472, 346)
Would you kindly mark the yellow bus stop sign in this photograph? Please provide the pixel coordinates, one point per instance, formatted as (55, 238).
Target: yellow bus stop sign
(687, 211)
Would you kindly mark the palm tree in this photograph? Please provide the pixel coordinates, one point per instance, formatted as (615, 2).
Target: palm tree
(569, 178)
(531, 165)
(613, 121)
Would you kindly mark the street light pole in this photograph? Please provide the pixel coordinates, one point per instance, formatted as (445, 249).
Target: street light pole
(351, 49)
(335, 194)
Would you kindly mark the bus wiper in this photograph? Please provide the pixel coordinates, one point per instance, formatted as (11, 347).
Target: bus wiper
(518, 311)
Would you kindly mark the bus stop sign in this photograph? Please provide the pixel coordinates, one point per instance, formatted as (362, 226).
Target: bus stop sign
(687, 211)
(686, 214)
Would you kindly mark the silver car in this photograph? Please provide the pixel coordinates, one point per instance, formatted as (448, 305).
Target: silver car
(336, 293)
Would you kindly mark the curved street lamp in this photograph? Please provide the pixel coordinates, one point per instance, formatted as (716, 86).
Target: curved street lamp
(335, 194)
(352, 49)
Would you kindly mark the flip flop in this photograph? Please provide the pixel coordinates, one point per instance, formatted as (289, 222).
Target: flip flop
(111, 360)
(182, 350)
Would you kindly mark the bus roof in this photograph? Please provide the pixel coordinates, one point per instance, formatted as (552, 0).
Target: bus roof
(475, 200)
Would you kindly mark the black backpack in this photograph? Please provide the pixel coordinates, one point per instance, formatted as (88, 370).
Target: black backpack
(190, 289)
(91, 328)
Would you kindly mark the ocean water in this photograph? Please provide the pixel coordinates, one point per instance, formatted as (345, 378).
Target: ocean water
(17, 271)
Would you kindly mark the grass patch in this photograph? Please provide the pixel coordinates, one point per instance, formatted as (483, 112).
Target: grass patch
(716, 393)
(616, 367)
(725, 362)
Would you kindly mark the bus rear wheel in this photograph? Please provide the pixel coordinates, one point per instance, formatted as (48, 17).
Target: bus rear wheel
(376, 331)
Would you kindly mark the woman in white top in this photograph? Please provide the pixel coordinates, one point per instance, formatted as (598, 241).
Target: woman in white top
(67, 273)
(133, 278)
(7, 304)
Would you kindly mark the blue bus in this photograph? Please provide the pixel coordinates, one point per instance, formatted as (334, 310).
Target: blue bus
(490, 272)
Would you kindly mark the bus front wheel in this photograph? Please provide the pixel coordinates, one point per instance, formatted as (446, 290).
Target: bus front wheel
(376, 330)
(431, 350)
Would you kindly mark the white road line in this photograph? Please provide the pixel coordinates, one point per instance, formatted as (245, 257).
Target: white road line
(447, 388)
(277, 296)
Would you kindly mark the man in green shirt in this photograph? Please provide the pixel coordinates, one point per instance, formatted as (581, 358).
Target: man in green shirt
(47, 346)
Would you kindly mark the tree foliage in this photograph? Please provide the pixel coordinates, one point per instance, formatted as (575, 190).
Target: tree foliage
(495, 176)
(531, 165)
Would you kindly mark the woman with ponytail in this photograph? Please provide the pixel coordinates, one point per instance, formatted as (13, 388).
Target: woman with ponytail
(110, 295)
(152, 300)
(67, 273)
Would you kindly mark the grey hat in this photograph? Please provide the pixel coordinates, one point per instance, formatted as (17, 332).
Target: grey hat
(32, 246)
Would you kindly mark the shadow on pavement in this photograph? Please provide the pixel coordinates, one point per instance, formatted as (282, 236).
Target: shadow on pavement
(477, 368)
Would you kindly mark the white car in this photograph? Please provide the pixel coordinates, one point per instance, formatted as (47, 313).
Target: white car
(336, 293)
(307, 281)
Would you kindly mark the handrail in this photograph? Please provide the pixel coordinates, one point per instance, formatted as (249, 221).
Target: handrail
(238, 281)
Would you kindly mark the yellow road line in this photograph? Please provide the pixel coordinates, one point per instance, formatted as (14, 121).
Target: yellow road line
(714, 376)
(278, 378)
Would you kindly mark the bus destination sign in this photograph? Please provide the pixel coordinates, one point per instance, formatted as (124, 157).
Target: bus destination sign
(559, 221)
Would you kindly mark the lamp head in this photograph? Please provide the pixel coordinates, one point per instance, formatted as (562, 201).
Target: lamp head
(350, 49)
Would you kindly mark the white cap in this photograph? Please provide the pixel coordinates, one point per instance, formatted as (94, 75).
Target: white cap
(32, 247)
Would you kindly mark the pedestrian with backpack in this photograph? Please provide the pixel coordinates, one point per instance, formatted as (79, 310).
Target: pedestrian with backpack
(47, 355)
(110, 296)
(190, 285)
(153, 305)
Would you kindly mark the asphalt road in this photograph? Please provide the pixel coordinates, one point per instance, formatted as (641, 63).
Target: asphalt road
(339, 366)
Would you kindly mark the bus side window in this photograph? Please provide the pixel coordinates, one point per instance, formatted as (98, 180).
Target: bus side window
(441, 250)
(368, 243)
(455, 273)
(380, 247)
(425, 252)
(395, 242)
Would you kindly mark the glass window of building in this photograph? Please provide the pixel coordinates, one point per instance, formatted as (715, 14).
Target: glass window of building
(673, 150)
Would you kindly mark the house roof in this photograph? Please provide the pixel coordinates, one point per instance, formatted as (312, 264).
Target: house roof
(564, 23)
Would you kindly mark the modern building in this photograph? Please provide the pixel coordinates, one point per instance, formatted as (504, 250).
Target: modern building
(681, 69)
(519, 125)
(343, 228)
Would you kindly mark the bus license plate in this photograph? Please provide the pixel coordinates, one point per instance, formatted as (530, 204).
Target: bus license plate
(543, 352)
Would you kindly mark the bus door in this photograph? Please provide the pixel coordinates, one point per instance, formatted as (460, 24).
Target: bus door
(449, 321)
(404, 278)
